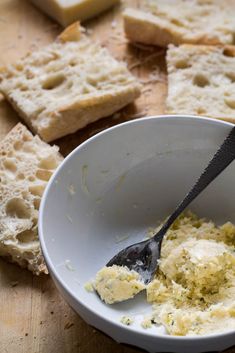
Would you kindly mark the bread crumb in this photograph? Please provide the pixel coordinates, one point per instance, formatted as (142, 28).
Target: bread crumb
(143, 46)
(14, 283)
(146, 90)
(145, 60)
(138, 115)
(114, 24)
(153, 78)
(68, 325)
(96, 131)
(116, 116)
(89, 31)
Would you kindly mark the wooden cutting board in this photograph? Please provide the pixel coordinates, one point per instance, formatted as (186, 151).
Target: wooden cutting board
(33, 316)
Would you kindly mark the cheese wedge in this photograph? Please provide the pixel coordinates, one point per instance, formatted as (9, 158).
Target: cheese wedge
(67, 11)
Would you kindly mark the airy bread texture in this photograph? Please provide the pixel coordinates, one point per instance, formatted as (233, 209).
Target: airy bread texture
(201, 81)
(161, 22)
(26, 165)
(67, 85)
(65, 12)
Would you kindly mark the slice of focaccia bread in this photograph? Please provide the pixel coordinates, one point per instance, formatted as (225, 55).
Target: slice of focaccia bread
(65, 12)
(201, 81)
(67, 85)
(161, 22)
(26, 164)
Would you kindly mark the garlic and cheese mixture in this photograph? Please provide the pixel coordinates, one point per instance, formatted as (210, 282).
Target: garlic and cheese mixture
(117, 283)
(193, 292)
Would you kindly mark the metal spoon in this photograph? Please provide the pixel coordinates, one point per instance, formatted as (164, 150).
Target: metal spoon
(143, 257)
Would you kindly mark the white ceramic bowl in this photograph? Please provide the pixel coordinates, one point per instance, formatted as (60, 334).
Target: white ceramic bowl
(108, 192)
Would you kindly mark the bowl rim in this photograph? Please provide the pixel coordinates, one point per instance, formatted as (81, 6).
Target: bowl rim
(183, 119)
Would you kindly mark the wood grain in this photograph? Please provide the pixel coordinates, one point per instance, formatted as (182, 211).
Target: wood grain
(33, 316)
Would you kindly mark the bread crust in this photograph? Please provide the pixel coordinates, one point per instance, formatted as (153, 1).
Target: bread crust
(78, 115)
(144, 28)
(71, 34)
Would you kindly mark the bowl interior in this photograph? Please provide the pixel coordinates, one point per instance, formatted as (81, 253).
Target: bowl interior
(113, 188)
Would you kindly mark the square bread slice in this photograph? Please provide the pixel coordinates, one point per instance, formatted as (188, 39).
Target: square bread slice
(26, 165)
(67, 11)
(161, 22)
(201, 81)
(67, 85)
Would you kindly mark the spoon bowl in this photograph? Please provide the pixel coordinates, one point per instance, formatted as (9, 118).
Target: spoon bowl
(141, 257)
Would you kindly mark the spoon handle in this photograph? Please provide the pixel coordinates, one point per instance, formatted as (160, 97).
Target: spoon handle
(222, 158)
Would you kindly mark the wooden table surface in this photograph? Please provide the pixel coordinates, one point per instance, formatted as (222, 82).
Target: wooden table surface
(33, 316)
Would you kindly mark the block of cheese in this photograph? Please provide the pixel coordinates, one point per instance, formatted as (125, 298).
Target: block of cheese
(161, 22)
(26, 165)
(67, 11)
(67, 85)
(201, 81)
